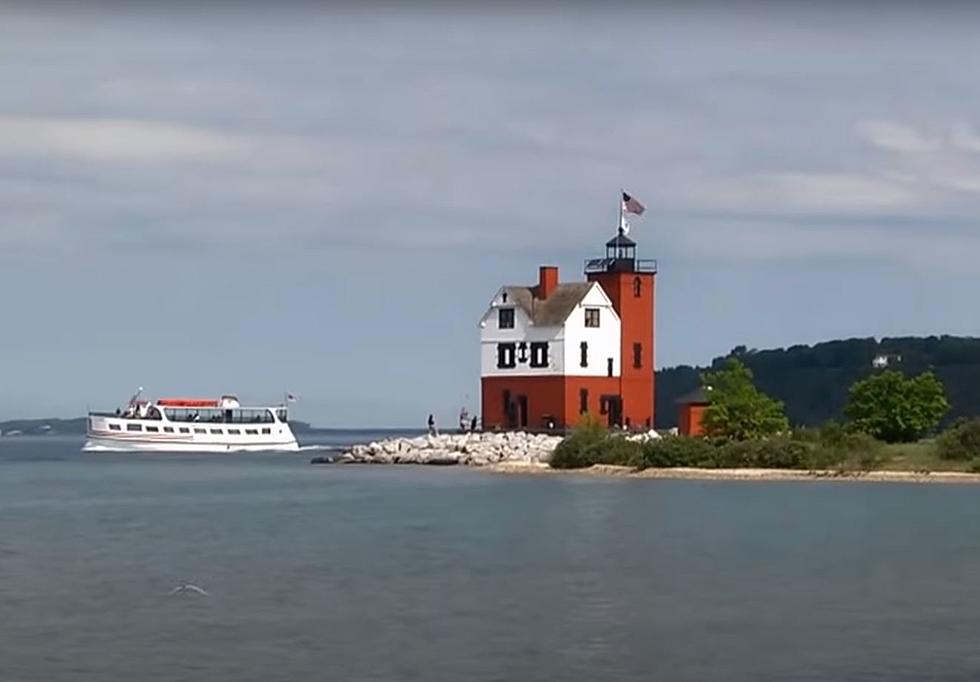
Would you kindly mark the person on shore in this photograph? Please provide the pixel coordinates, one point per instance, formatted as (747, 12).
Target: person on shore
(464, 419)
(433, 431)
(473, 424)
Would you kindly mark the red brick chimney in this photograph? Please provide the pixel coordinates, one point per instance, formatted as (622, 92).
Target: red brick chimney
(547, 280)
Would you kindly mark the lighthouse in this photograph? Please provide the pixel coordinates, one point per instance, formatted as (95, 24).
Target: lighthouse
(554, 351)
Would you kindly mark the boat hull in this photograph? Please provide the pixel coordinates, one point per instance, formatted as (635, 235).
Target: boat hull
(104, 444)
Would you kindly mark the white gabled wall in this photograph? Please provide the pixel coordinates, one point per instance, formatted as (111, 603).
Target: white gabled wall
(603, 341)
(564, 351)
(523, 331)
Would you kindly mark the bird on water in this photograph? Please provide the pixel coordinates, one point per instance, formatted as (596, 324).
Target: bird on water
(185, 588)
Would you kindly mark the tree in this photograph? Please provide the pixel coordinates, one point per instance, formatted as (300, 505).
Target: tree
(737, 409)
(895, 408)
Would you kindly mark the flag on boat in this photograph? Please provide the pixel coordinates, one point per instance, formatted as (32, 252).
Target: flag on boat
(290, 398)
(631, 205)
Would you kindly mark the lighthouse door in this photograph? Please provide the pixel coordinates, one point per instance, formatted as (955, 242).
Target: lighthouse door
(521, 411)
(612, 407)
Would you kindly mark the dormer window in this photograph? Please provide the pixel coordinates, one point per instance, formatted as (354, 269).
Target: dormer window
(591, 317)
(637, 287)
(505, 318)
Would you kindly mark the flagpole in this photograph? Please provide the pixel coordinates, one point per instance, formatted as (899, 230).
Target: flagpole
(620, 226)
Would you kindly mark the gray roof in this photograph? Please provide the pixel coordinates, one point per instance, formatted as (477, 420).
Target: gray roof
(621, 240)
(695, 397)
(552, 311)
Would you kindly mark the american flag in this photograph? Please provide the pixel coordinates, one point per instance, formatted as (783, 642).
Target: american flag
(290, 398)
(631, 205)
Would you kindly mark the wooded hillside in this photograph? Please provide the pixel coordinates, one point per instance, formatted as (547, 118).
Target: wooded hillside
(813, 381)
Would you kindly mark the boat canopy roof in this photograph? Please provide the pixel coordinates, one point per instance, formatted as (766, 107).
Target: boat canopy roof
(187, 402)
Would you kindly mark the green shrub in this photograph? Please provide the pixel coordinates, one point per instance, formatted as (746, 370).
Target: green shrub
(618, 451)
(805, 434)
(590, 443)
(961, 441)
(678, 451)
(576, 449)
(772, 453)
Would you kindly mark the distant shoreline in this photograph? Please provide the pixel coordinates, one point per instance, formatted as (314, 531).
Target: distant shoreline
(751, 475)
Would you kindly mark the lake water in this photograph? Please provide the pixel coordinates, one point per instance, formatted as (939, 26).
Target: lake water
(389, 573)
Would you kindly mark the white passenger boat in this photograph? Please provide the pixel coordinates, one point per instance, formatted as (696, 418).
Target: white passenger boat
(190, 425)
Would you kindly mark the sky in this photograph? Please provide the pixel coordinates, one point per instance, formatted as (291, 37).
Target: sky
(320, 199)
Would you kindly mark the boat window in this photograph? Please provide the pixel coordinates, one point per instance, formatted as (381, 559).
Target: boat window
(184, 429)
(235, 416)
(251, 432)
(168, 429)
(200, 430)
(134, 427)
(281, 413)
(217, 432)
(266, 431)
(153, 429)
(114, 427)
(234, 432)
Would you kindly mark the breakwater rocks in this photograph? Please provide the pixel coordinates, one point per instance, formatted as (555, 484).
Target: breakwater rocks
(471, 449)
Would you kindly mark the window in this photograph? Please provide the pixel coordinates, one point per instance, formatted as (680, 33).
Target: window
(234, 432)
(506, 355)
(217, 432)
(251, 432)
(505, 318)
(583, 400)
(637, 355)
(609, 367)
(133, 427)
(584, 353)
(168, 429)
(184, 429)
(591, 317)
(282, 415)
(539, 354)
(153, 429)
(637, 287)
(114, 427)
(200, 430)
(267, 431)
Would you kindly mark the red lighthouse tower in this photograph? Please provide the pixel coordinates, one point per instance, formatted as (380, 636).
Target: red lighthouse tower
(630, 284)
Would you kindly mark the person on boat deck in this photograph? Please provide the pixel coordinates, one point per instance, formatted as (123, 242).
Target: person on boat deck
(433, 431)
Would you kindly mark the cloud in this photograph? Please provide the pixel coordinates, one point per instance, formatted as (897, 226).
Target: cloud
(113, 140)
(964, 137)
(837, 191)
(898, 138)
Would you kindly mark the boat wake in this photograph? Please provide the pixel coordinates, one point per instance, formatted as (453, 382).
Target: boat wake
(319, 448)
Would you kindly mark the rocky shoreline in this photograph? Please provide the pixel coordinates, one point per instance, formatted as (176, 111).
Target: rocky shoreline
(467, 449)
